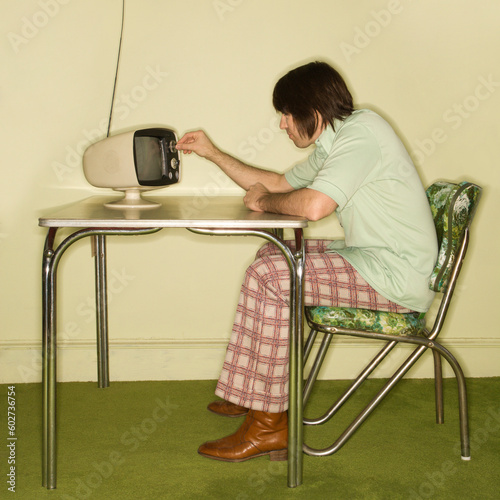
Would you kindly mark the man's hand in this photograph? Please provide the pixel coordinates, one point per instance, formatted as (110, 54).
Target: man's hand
(254, 195)
(199, 143)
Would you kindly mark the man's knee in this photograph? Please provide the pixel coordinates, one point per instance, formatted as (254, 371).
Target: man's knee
(268, 249)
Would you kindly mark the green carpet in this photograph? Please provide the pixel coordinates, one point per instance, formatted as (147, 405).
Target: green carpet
(139, 440)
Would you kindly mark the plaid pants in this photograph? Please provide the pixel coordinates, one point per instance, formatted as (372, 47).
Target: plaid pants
(255, 369)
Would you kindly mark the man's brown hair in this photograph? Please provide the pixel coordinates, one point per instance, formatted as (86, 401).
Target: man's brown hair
(311, 90)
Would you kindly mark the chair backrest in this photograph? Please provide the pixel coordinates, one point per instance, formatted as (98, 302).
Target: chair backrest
(453, 207)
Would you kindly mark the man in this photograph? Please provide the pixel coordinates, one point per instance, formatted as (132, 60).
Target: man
(361, 171)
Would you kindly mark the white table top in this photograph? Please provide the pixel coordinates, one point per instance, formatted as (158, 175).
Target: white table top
(224, 212)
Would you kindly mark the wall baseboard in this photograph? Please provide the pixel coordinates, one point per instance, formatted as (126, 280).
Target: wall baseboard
(201, 359)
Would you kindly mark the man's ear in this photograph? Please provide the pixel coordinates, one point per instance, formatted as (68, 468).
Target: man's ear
(319, 120)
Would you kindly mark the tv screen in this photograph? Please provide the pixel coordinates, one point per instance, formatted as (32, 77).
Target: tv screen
(149, 158)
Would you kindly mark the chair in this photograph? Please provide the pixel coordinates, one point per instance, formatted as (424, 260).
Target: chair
(453, 207)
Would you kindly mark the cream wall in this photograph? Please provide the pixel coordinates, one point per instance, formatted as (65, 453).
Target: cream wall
(431, 68)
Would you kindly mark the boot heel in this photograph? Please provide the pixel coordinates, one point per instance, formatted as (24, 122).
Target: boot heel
(278, 455)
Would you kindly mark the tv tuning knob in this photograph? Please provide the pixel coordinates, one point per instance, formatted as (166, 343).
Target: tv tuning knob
(174, 163)
(171, 146)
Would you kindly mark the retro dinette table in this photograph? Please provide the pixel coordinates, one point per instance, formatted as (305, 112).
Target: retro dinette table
(221, 215)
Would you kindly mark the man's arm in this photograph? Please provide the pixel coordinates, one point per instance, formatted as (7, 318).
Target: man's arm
(266, 191)
(244, 175)
(305, 202)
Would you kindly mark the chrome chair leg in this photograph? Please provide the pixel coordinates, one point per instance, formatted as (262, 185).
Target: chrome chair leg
(462, 398)
(354, 386)
(344, 437)
(398, 375)
(438, 384)
(309, 344)
(318, 362)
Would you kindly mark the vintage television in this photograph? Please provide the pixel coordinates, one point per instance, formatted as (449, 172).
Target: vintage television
(133, 162)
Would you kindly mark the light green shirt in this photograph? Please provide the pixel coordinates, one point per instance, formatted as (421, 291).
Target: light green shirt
(390, 238)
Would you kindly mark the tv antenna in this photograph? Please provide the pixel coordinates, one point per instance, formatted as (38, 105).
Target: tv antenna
(117, 66)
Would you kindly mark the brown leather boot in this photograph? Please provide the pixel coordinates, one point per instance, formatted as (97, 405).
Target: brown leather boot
(227, 409)
(261, 433)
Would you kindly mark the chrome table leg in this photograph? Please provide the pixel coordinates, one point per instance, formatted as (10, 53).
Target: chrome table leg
(101, 300)
(49, 364)
(296, 264)
(50, 261)
(296, 366)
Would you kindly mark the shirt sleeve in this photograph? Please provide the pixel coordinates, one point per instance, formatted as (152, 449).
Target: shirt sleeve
(303, 174)
(354, 155)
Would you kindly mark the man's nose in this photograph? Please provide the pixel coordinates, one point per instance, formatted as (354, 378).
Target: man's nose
(283, 124)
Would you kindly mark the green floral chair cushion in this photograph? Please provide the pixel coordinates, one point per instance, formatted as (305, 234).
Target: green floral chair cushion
(365, 319)
(452, 206)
